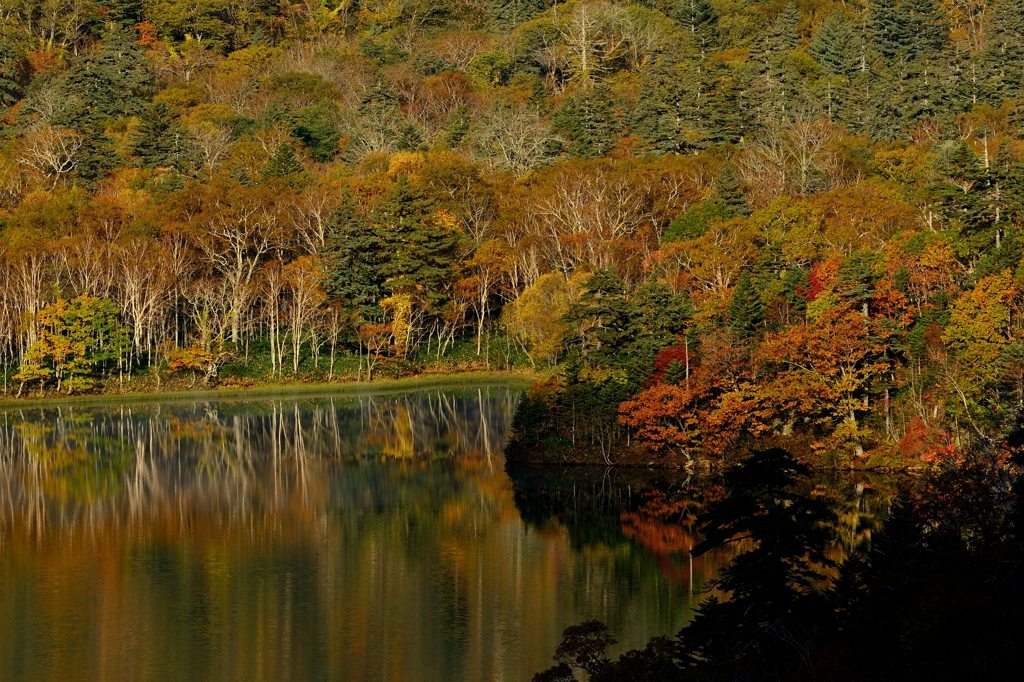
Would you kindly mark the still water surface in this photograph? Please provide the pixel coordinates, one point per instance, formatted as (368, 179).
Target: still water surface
(359, 538)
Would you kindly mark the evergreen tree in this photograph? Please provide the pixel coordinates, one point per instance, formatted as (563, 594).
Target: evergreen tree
(699, 19)
(160, 140)
(856, 280)
(110, 82)
(910, 29)
(1003, 57)
(418, 252)
(653, 118)
(409, 138)
(458, 126)
(588, 124)
(745, 314)
(12, 74)
(121, 12)
(727, 190)
(352, 258)
(836, 46)
(314, 128)
(783, 35)
(284, 164)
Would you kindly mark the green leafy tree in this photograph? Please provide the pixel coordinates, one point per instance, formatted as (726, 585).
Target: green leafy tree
(77, 339)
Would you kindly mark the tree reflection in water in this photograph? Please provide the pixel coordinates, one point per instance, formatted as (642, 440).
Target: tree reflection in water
(368, 538)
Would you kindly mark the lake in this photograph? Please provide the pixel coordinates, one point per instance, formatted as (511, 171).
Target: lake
(370, 537)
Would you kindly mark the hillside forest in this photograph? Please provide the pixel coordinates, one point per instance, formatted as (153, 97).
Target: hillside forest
(705, 220)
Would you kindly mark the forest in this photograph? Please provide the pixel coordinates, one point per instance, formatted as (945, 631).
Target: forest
(702, 221)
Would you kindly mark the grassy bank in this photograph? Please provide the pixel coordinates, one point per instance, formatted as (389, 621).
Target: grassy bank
(383, 386)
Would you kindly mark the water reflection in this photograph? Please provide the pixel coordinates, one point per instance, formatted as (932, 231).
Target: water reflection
(369, 538)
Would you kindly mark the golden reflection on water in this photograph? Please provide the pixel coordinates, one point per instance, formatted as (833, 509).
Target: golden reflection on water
(314, 539)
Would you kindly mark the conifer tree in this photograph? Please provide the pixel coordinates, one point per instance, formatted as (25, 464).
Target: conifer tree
(910, 29)
(110, 82)
(284, 163)
(783, 35)
(352, 258)
(835, 46)
(589, 124)
(418, 252)
(458, 126)
(11, 73)
(160, 140)
(121, 12)
(727, 190)
(1003, 57)
(699, 19)
(745, 314)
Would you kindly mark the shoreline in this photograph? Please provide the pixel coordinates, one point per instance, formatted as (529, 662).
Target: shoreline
(381, 386)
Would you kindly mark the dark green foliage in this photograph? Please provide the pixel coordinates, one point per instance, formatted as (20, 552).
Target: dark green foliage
(694, 223)
(313, 126)
(121, 12)
(458, 126)
(284, 163)
(783, 34)
(836, 47)
(12, 74)
(728, 192)
(160, 140)
(745, 311)
(910, 29)
(352, 260)
(409, 138)
(418, 253)
(588, 124)
(381, 55)
(856, 279)
(699, 18)
(1003, 58)
(109, 82)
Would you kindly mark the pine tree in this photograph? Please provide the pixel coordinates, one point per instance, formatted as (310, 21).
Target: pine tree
(1003, 57)
(409, 138)
(745, 315)
(110, 82)
(12, 74)
(318, 134)
(121, 12)
(910, 29)
(836, 46)
(419, 253)
(727, 190)
(783, 35)
(284, 163)
(699, 18)
(458, 126)
(588, 124)
(654, 118)
(856, 280)
(352, 258)
(160, 140)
